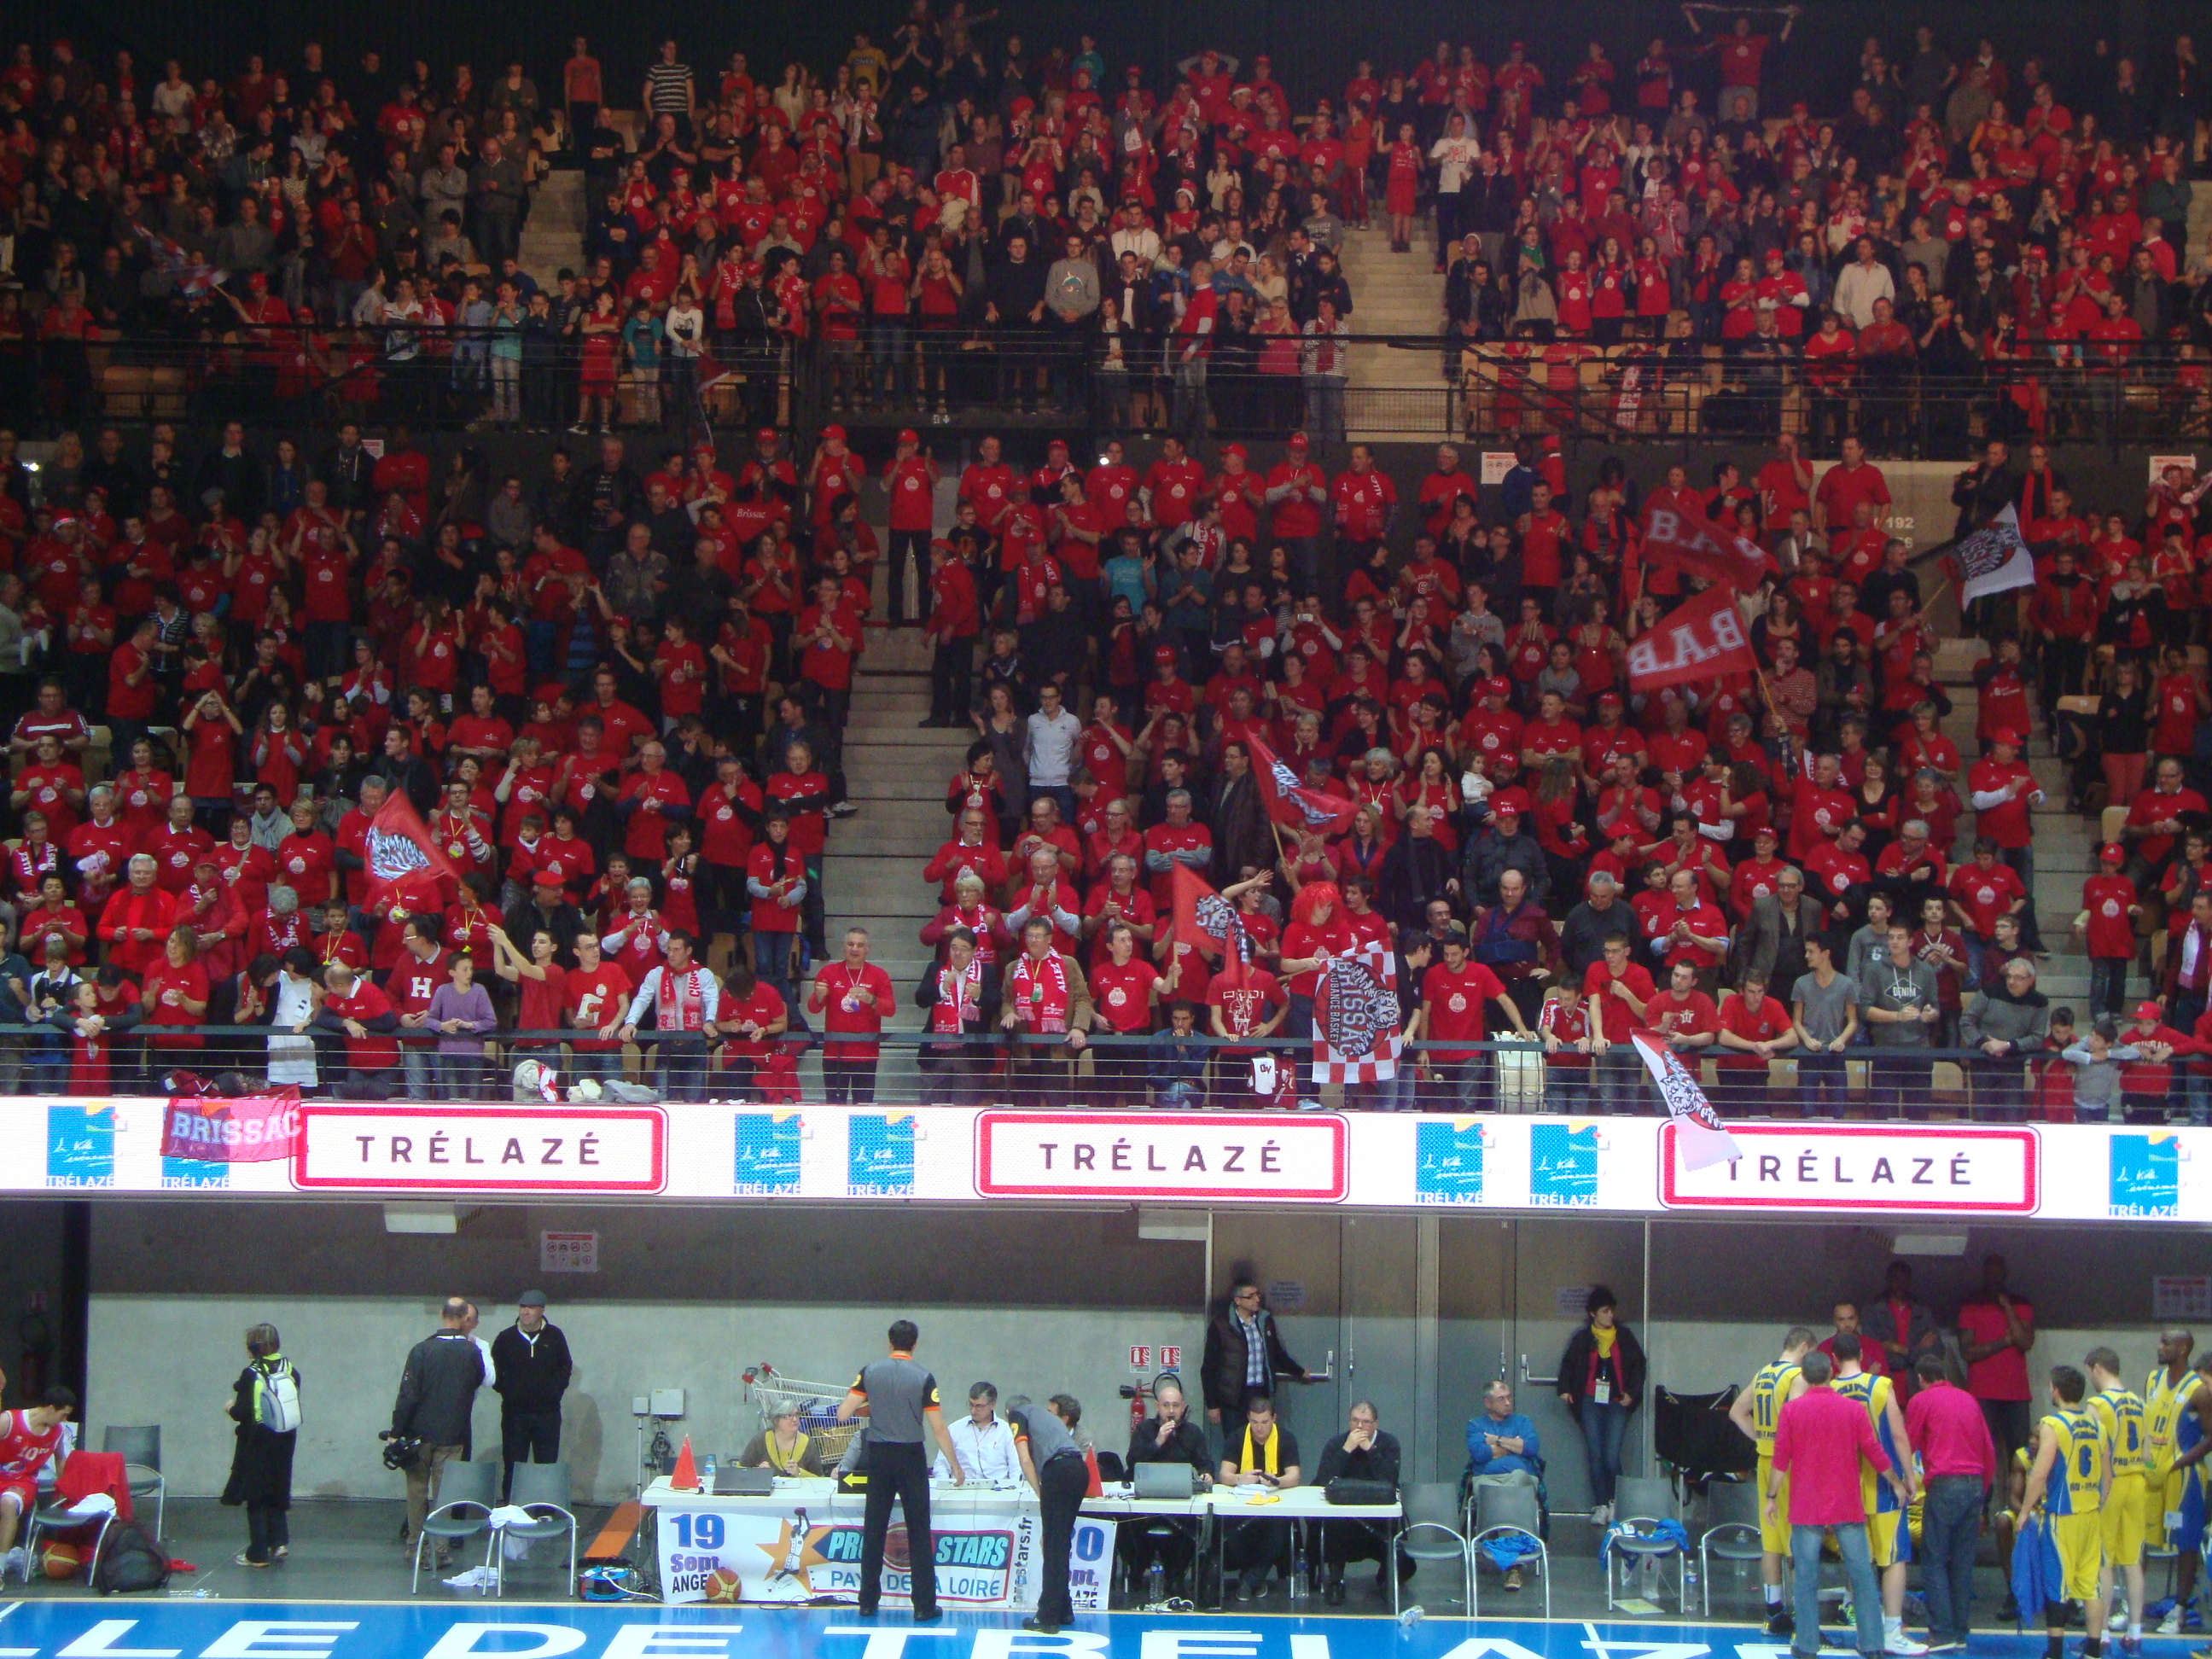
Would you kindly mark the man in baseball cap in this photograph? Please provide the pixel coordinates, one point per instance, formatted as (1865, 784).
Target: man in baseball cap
(529, 1368)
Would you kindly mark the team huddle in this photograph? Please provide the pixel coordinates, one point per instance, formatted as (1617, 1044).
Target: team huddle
(2105, 1474)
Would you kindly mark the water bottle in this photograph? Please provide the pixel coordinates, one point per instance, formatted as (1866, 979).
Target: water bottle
(1155, 1583)
(1412, 1616)
(707, 1478)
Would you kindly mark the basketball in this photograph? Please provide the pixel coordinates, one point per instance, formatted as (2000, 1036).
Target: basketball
(60, 1560)
(895, 1549)
(722, 1585)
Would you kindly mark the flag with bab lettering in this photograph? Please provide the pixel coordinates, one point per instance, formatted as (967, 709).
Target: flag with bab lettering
(1699, 547)
(1701, 641)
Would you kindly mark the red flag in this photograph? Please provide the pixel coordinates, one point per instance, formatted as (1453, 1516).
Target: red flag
(1293, 805)
(1680, 542)
(402, 860)
(1208, 922)
(1702, 641)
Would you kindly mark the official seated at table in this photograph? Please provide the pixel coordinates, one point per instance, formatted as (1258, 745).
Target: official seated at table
(1362, 1452)
(984, 1444)
(782, 1448)
(1167, 1437)
(1266, 1455)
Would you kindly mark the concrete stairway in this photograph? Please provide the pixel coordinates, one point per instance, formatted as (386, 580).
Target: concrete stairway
(553, 236)
(896, 773)
(1395, 294)
(2065, 843)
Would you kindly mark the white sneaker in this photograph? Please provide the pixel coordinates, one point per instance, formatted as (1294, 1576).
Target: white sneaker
(2170, 1625)
(1894, 1640)
(17, 1561)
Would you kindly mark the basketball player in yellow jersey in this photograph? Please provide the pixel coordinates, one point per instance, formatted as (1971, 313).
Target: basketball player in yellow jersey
(2119, 1414)
(1888, 1545)
(1755, 1412)
(2167, 1394)
(2067, 1481)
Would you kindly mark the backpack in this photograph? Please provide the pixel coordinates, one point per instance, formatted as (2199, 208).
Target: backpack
(280, 1400)
(130, 1559)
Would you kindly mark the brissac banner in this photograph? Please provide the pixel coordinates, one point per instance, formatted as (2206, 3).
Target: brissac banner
(251, 1129)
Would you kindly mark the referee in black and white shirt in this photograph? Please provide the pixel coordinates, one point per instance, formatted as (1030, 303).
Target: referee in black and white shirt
(1054, 1466)
(899, 1399)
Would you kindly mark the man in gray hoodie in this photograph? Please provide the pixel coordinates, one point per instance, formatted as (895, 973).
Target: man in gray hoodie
(1899, 1004)
(1071, 301)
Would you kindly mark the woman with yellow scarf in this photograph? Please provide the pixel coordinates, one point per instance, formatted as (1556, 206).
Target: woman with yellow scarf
(1600, 1383)
(782, 1447)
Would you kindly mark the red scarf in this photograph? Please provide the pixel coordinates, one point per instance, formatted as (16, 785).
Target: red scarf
(1041, 991)
(957, 998)
(679, 1004)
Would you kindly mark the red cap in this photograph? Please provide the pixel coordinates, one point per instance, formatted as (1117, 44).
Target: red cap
(1612, 699)
(2148, 1010)
(1164, 653)
(2005, 734)
(1496, 686)
(1298, 440)
(836, 432)
(765, 436)
(545, 878)
(1237, 450)
(1060, 444)
(908, 436)
(2112, 853)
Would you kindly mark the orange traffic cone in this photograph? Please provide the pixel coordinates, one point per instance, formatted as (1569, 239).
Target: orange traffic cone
(1090, 1462)
(685, 1475)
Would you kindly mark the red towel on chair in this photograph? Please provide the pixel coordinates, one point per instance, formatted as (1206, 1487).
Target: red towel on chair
(89, 1472)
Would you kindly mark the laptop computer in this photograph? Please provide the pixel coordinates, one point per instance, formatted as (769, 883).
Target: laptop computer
(1156, 1480)
(744, 1483)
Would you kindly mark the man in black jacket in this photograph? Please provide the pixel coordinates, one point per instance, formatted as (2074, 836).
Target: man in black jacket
(1244, 1354)
(437, 1393)
(1362, 1452)
(530, 1361)
(1169, 1437)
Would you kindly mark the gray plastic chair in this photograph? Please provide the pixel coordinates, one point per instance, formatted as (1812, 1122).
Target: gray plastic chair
(1509, 1511)
(1731, 1531)
(543, 1489)
(1639, 1503)
(52, 1515)
(142, 1465)
(1432, 1510)
(466, 1495)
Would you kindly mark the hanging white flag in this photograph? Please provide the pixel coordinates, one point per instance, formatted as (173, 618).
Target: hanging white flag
(1705, 1141)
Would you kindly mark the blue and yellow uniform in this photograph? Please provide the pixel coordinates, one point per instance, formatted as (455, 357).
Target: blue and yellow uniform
(2119, 1414)
(1770, 1393)
(2170, 1428)
(1888, 1542)
(2073, 1497)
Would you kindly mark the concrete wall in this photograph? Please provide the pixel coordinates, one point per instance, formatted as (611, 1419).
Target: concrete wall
(1420, 1312)
(685, 1299)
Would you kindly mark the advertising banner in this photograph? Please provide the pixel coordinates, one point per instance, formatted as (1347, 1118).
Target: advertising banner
(748, 1154)
(731, 1556)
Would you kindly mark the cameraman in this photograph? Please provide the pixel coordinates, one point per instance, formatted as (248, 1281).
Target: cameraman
(437, 1395)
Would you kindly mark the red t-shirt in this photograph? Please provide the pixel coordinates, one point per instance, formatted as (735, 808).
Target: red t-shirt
(1763, 1024)
(1122, 994)
(1455, 1002)
(843, 1012)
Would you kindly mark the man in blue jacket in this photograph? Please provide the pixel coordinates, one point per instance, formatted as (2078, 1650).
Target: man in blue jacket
(1502, 1449)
